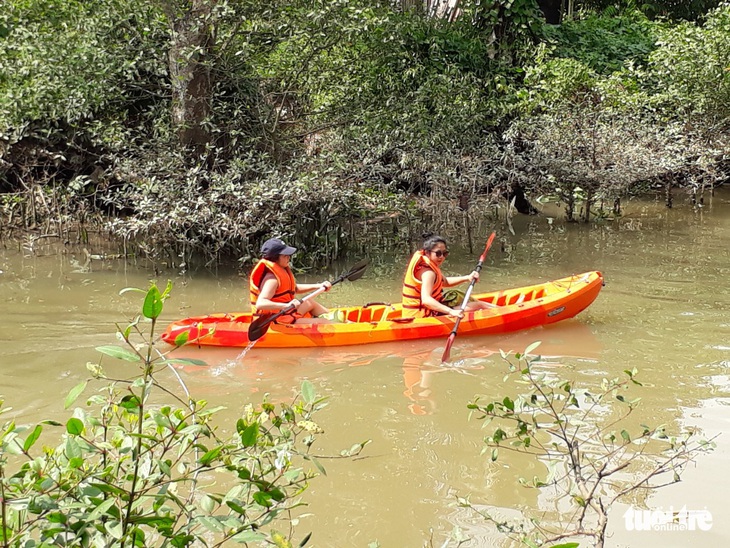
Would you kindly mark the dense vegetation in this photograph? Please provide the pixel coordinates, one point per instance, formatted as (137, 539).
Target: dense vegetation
(200, 127)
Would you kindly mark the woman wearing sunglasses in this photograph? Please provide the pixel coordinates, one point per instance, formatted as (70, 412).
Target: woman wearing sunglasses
(423, 286)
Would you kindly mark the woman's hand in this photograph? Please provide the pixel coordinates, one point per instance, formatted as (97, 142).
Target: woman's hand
(326, 284)
(474, 276)
(457, 313)
(296, 302)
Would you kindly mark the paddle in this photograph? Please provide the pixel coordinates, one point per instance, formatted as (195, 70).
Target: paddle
(260, 326)
(452, 335)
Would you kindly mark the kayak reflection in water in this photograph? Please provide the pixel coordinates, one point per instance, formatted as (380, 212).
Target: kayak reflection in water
(423, 285)
(272, 286)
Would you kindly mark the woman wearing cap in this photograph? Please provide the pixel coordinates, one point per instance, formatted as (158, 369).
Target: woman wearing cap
(423, 294)
(272, 286)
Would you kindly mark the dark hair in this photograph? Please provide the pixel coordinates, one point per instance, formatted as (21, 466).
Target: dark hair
(430, 240)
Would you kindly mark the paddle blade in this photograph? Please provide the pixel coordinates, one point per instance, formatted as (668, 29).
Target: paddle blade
(447, 350)
(258, 328)
(356, 272)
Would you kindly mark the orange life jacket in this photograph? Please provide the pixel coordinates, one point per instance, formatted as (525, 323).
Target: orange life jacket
(411, 301)
(287, 284)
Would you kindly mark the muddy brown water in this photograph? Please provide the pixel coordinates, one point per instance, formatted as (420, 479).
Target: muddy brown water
(664, 310)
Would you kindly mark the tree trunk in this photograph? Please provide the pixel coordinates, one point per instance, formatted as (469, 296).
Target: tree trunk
(552, 11)
(189, 57)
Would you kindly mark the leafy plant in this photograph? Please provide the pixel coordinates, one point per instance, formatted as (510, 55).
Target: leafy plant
(582, 436)
(136, 466)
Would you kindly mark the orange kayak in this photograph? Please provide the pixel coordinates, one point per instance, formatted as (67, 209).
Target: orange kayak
(514, 310)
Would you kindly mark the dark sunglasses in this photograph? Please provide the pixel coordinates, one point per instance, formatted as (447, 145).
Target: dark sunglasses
(440, 253)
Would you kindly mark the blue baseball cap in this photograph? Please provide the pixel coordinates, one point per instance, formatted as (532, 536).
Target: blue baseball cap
(273, 247)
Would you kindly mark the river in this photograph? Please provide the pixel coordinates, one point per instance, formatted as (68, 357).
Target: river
(664, 311)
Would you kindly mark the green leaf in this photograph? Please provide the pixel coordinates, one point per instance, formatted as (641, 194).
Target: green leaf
(184, 361)
(211, 524)
(118, 352)
(127, 289)
(250, 435)
(182, 338)
(207, 504)
(262, 499)
(625, 436)
(248, 537)
(235, 507)
(107, 488)
(211, 455)
(317, 464)
(30, 440)
(114, 528)
(532, 347)
(168, 288)
(73, 450)
(74, 426)
(74, 394)
(100, 510)
(152, 306)
(567, 545)
(308, 392)
(129, 402)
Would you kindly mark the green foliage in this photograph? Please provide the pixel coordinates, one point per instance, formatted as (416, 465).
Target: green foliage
(674, 9)
(321, 114)
(605, 43)
(691, 68)
(133, 468)
(69, 61)
(592, 454)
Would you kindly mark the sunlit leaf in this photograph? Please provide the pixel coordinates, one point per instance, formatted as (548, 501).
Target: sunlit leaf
(118, 352)
(182, 338)
(262, 498)
(250, 435)
(30, 440)
(207, 504)
(308, 392)
(210, 456)
(532, 347)
(114, 528)
(74, 394)
(74, 426)
(152, 306)
(128, 289)
(184, 361)
(129, 402)
(248, 537)
(317, 464)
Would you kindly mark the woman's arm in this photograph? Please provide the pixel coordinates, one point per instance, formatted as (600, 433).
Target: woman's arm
(451, 281)
(301, 288)
(429, 278)
(269, 285)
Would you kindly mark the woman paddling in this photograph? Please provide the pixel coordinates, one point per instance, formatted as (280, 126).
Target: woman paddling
(272, 286)
(423, 286)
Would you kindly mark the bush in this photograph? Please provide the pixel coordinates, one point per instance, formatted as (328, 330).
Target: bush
(134, 469)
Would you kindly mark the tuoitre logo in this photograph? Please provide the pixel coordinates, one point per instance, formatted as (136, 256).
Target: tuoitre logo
(667, 520)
